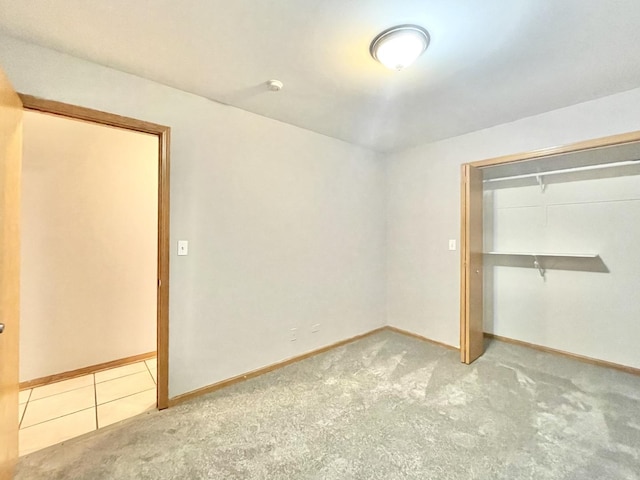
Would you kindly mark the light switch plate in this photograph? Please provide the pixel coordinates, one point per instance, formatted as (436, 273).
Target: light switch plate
(452, 244)
(183, 247)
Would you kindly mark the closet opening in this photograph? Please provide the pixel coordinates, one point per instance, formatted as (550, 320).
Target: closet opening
(548, 251)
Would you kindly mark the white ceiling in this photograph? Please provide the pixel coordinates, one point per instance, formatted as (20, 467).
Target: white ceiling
(489, 62)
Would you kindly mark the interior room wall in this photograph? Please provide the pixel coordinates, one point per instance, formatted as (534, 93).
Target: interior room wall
(88, 245)
(591, 310)
(285, 225)
(423, 205)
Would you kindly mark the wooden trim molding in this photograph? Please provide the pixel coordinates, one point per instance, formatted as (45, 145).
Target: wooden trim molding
(81, 113)
(609, 141)
(275, 366)
(472, 265)
(163, 267)
(420, 337)
(58, 377)
(464, 271)
(164, 134)
(269, 368)
(573, 356)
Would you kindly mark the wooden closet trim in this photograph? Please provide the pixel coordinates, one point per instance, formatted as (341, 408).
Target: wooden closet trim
(164, 134)
(610, 141)
(466, 340)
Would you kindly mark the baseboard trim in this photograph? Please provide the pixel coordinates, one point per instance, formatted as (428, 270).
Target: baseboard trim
(420, 337)
(275, 366)
(58, 377)
(261, 371)
(574, 356)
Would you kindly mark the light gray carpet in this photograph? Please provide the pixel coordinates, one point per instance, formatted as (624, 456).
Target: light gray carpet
(386, 407)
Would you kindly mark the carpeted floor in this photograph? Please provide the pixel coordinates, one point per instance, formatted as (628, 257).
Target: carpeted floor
(386, 407)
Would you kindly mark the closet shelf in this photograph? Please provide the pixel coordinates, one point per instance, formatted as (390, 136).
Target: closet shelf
(541, 259)
(540, 254)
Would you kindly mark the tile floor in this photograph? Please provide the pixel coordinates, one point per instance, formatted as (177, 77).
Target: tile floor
(59, 411)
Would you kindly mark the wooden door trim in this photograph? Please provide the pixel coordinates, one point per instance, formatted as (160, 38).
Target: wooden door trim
(466, 205)
(163, 133)
(609, 141)
(11, 116)
(464, 271)
(470, 258)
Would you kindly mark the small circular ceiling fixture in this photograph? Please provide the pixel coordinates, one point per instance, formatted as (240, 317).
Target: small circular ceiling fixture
(398, 47)
(275, 85)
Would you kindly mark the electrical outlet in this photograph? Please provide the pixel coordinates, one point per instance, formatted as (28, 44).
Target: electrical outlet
(293, 334)
(315, 328)
(452, 244)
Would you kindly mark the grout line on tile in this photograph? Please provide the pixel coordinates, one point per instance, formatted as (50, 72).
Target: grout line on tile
(130, 395)
(149, 370)
(22, 416)
(26, 404)
(53, 394)
(95, 399)
(29, 397)
(122, 376)
(56, 418)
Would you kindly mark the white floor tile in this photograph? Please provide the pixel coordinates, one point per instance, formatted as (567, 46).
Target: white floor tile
(126, 407)
(60, 387)
(124, 386)
(56, 431)
(63, 410)
(54, 406)
(23, 396)
(152, 363)
(117, 372)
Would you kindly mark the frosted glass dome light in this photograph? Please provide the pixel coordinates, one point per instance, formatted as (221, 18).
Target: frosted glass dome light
(398, 47)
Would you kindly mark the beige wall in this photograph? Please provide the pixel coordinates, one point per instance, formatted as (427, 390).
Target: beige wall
(89, 227)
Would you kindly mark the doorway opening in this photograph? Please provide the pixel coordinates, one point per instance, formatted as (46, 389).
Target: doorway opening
(95, 270)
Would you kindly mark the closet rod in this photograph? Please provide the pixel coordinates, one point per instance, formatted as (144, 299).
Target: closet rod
(566, 170)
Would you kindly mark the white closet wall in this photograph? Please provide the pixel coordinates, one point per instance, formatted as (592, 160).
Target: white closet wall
(589, 313)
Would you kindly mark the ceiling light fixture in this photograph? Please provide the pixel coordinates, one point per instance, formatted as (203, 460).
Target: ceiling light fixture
(398, 47)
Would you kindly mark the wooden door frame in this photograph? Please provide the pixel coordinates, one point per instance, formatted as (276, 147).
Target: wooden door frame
(163, 134)
(471, 248)
(11, 116)
(466, 339)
